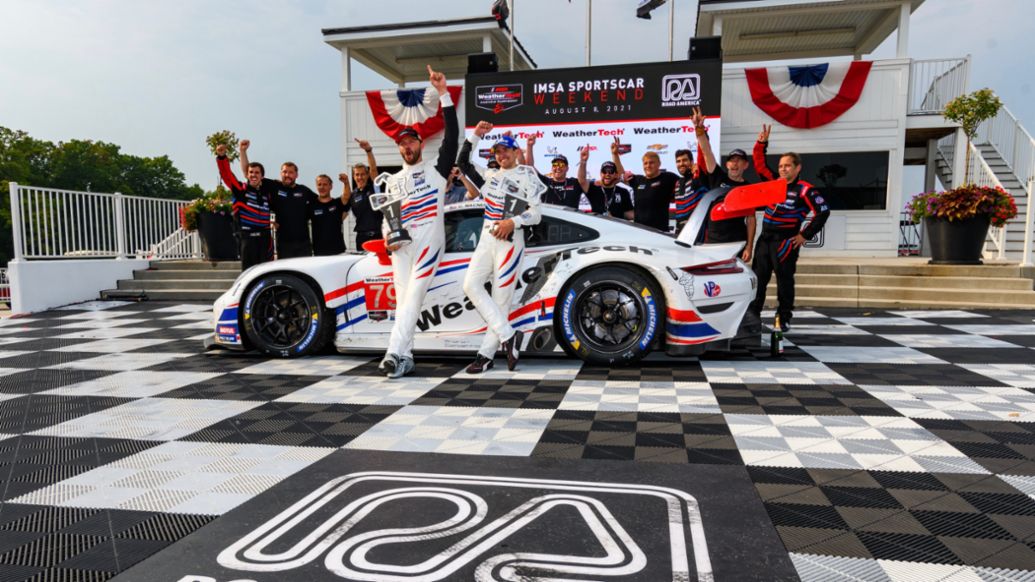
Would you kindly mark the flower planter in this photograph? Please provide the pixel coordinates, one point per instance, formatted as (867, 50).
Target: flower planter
(218, 241)
(958, 242)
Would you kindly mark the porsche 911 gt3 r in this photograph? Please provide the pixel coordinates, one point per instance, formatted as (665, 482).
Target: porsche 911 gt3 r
(605, 290)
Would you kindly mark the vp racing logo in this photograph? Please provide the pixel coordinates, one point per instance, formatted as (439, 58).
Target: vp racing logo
(487, 523)
(681, 90)
(499, 98)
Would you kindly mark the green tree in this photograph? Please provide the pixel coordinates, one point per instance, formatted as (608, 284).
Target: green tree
(970, 111)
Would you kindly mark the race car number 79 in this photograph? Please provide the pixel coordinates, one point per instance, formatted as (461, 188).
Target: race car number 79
(380, 294)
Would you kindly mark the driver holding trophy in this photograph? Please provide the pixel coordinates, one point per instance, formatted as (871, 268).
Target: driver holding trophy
(413, 226)
(511, 195)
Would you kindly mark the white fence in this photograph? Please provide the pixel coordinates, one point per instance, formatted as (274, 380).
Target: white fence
(62, 224)
(935, 82)
(1016, 146)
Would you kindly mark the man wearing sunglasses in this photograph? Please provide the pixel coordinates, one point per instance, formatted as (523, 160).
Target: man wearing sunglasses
(607, 195)
(561, 189)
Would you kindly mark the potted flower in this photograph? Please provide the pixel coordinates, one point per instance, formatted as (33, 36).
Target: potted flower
(957, 221)
(211, 215)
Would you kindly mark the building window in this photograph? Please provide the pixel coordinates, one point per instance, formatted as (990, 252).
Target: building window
(847, 180)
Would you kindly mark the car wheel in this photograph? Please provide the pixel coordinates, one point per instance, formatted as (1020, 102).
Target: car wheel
(610, 315)
(282, 316)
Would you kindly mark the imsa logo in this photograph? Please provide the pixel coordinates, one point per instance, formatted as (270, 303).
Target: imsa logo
(681, 90)
(465, 539)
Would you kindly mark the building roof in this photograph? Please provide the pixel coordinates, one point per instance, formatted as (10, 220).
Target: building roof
(400, 51)
(760, 30)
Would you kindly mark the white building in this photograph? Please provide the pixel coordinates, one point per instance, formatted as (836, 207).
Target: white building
(896, 121)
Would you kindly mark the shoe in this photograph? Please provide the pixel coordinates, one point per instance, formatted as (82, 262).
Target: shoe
(785, 324)
(510, 350)
(479, 365)
(388, 365)
(404, 368)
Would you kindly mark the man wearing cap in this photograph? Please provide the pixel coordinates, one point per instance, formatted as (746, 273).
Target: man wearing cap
(497, 258)
(653, 191)
(561, 189)
(414, 265)
(732, 229)
(608, 195)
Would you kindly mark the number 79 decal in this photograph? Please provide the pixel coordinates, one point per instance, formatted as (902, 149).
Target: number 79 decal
(380, 294)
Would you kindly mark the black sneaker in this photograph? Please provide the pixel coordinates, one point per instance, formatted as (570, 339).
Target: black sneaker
(785, 324)
(510, 350)
(479, 365)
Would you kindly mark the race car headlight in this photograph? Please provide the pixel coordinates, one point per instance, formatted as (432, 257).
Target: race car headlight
(727, 267)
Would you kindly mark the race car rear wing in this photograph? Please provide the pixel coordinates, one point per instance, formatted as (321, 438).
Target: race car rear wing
(740, 201)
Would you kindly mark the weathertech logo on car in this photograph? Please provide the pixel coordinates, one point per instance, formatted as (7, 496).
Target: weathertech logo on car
(681, 90)
(499, 98)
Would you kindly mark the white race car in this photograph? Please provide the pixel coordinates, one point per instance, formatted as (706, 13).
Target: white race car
(606, 290)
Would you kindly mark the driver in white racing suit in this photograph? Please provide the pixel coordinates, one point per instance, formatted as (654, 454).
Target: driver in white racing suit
(414, 265)
(501, 246)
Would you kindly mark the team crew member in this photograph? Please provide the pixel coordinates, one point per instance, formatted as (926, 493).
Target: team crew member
(782, 232)
(497, 258)
(291, 205)
(652, 192)
(251, 209)
(608, 195)
(326, 215)
(357, 197)
(690, 188)
(561, 189)
(733, 229)
(414, 265)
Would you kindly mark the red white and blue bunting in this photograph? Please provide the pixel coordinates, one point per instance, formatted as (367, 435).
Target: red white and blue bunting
(808, 96)
(396, 109)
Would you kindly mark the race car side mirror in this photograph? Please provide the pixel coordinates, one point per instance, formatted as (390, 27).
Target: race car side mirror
(377, 246)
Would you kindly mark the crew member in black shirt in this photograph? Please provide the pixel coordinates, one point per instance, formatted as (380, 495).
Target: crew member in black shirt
(357, 198)
(560, 189)
(326, 215)
(607, 195)
(653, 191)
(251, 209)
(290, 206)
(715, 176)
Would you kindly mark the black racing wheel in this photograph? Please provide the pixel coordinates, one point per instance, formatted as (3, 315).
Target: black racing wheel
(283, 316)
(610, 315)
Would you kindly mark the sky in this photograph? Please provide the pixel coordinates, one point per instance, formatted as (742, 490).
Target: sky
(157, 77)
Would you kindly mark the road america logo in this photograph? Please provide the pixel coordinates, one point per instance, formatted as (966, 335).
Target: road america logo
(681, 90)
(499, 98)
(349, 506)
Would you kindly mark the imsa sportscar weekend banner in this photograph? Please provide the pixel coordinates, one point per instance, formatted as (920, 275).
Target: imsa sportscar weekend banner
(646, 106)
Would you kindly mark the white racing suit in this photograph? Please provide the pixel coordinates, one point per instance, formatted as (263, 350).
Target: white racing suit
(414, 265)
(494, 260)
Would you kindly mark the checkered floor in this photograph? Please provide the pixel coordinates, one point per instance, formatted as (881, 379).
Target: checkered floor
(885, 445)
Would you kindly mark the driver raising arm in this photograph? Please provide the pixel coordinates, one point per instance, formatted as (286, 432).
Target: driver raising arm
(501, 246)
(251, 209)
(414, 265)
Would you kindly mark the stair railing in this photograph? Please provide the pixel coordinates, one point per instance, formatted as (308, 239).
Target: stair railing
(48, 223)
(982, 175)
(935, 82)
(181, 244)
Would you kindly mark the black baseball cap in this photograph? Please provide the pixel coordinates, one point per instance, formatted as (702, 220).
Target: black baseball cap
(560, 158)
(407, 132)
(608, 166)
(738, 152)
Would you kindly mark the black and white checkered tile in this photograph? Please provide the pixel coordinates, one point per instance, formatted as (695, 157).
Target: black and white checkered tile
(884, 445)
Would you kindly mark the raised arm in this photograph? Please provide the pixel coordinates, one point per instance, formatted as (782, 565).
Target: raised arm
(530, 151)
(243, 157)
(617, 159)
(371, 160)
(447, 152)
(225, 173)
(704, 147)
(583, 160)
(346, 190)
(472, 190)
(463, 161)
(758, 154)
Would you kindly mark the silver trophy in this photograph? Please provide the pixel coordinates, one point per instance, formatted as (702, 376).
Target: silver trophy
(518, 186)
(389, 203)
